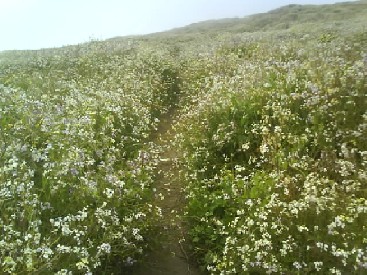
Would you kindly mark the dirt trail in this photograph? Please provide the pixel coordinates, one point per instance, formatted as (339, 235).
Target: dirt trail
(171, 256)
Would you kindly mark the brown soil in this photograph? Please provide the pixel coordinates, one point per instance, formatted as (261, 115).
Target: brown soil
(171, 255)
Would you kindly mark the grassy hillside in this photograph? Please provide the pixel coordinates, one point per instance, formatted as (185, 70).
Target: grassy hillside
(287, 17)
(268, 138)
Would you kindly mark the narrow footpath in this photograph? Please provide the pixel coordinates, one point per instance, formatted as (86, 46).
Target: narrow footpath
(171, 256)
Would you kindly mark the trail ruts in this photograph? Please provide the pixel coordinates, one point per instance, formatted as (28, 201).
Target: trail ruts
(170, 256)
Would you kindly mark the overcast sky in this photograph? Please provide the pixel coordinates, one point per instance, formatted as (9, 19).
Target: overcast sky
(34, 24)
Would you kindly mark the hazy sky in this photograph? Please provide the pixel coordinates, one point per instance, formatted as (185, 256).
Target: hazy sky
(33, 24)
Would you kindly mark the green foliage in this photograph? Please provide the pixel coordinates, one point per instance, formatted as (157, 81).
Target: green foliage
(271, 130)
(75, 193)
(276, 157)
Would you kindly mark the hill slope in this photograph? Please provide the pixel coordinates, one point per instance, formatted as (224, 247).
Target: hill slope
(239, 144)
(285, 17)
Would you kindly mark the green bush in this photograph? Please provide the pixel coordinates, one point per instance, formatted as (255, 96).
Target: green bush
(75, 193)
(276, 174)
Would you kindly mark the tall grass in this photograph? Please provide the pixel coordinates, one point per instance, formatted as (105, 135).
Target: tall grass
(277, 160)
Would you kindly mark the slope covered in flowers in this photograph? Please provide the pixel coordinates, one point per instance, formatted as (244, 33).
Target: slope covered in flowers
(76, 172)
(276, 150)
(270, 137)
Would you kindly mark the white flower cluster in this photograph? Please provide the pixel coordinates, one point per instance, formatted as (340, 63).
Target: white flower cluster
(73, 188)
(272, 131)
(276, 157)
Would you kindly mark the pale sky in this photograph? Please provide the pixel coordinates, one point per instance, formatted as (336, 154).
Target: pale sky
(34, 24)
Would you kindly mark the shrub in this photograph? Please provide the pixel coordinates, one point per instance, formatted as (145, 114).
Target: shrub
(276, 170)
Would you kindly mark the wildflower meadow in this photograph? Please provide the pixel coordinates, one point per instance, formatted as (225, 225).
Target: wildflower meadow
(270, 133)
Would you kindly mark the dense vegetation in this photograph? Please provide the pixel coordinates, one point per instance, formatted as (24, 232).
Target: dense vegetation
(271, 126)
